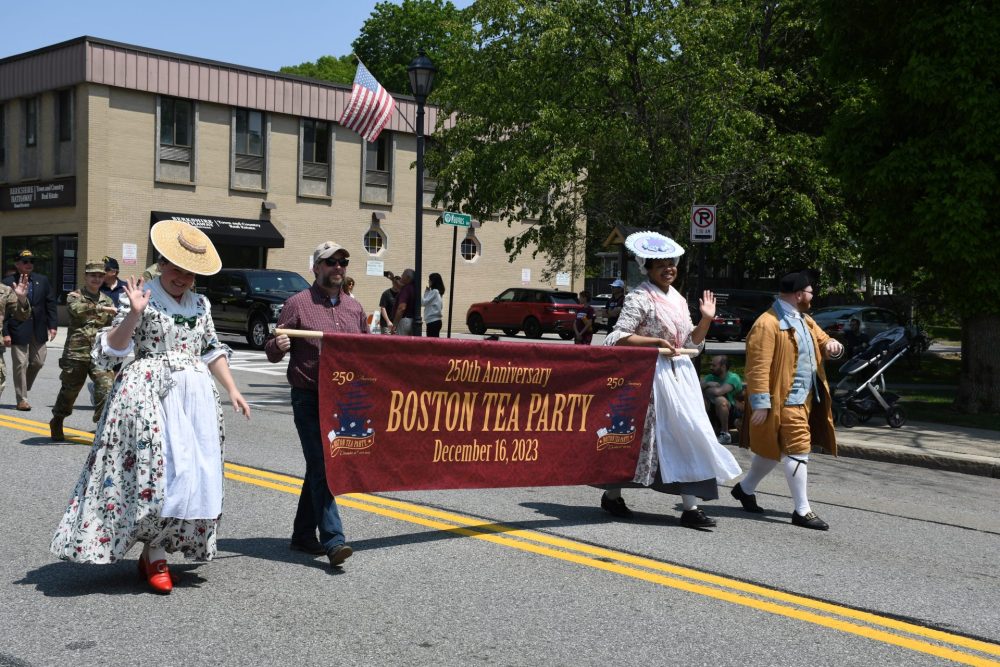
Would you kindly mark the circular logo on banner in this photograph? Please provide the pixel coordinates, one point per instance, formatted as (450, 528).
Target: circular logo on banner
(703, 217)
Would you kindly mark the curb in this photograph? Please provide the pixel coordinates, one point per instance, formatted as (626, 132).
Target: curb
(967, 464)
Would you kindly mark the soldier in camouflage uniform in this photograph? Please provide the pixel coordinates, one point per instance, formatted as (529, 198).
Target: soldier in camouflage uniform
(14, 302)
(89, 312)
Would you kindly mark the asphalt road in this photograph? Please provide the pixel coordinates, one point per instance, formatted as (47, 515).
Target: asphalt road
(907, 575)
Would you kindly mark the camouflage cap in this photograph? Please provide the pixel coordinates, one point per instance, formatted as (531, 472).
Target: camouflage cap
(94, 266)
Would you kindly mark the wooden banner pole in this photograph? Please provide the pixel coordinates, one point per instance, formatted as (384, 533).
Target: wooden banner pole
(298, 333)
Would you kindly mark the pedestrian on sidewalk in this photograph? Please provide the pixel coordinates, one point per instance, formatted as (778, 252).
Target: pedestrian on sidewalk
(13, 302)
(433, 305)
(322, 307)
(583, 323)
(27, 339)
(112, 285)
(155, 472)
(789, 401)
(679, 452)
(90, 310)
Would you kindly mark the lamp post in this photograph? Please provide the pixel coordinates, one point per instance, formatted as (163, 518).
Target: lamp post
(421, 71)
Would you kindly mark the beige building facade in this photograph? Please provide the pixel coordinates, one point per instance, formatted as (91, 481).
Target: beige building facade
(98, 140)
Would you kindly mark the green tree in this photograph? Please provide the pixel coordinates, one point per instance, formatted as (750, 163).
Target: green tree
(327, 68)
(916, 143)
(630, 111)
(394, 33)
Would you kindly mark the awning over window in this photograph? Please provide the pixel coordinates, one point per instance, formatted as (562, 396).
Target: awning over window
(234, 231)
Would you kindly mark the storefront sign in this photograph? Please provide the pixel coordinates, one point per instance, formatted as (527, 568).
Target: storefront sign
(235, 231)
(61, 192)
(400, 413)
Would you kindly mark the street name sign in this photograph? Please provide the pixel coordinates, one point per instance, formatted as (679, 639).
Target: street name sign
(457, 219)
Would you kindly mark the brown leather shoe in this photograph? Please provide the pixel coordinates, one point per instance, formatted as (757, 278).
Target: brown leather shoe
(56, 429)
(339, 554)
(23, 406)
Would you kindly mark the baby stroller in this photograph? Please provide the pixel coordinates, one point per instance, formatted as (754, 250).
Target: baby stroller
(861, 393)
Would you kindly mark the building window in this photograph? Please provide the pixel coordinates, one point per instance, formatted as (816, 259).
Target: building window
(3, 134)
(377, 167)
(470, 247)
(374, 241)
(64, 115)
(430, 180)
(316, 159)
(175, 159)
(249, 133)
(316, 141)
(31, 121)
(249, 149)
(175, 122)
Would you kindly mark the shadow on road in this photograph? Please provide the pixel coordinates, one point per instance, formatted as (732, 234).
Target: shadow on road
(62, 580)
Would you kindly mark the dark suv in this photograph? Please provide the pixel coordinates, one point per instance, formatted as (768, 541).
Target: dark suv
(248, 301)
(536, 311)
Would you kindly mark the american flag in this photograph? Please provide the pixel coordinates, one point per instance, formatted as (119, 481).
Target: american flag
(370, 108)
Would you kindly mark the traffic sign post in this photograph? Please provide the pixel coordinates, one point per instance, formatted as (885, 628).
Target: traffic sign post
(456, 220)
(703, 223)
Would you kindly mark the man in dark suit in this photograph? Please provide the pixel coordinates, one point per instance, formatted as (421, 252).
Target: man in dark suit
(27, 339)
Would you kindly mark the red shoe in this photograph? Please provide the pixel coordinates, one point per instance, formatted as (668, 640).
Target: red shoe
(157, 574)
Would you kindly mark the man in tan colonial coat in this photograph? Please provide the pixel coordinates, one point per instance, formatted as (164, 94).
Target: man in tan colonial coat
(787, 397)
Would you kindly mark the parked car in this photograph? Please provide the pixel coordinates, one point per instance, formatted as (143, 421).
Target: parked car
(248, 301)
(747, 317)
(599, 303)
(725, 325)
(535, 311)
(834, 319)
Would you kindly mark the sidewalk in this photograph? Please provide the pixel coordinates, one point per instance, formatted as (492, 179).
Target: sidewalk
(939, 446)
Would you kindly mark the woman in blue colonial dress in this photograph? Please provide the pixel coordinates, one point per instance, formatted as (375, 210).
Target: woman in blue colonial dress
(154, 474)
(680, 452)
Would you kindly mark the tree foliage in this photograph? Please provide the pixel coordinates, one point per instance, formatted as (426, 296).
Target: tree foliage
(327, 68)
(394, 33)
(916, 143)
(630, 111)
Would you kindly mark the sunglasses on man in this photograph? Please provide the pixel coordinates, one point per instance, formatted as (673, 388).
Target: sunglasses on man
(330, 261)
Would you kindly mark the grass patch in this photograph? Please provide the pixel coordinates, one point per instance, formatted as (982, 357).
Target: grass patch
(938, 407)
(934, 368)
(944, 333)
(921, 404)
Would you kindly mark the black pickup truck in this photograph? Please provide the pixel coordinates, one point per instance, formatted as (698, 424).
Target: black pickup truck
(248, 301)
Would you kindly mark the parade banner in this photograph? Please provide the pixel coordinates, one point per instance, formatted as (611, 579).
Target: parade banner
(405, 413)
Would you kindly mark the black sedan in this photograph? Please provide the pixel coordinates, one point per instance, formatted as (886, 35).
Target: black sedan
(726, 325)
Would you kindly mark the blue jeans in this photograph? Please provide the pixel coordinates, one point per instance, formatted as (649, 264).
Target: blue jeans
(317, 507)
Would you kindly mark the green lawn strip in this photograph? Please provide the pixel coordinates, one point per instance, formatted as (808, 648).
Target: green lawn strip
(920, 404)
(938, 406)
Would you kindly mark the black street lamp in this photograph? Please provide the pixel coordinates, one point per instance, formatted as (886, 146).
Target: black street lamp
(421, 71)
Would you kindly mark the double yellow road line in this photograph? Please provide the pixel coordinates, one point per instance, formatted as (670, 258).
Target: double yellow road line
(914, 637)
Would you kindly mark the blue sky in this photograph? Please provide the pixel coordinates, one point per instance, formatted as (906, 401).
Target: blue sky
(251, 33)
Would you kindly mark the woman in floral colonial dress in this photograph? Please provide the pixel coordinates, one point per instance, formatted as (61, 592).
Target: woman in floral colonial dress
(680, 452)
(154, 474)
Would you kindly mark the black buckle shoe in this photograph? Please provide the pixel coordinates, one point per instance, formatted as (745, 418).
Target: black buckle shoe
(309, 545)
(616, 507)
(748, 500)
(696, 519)
(810, 520)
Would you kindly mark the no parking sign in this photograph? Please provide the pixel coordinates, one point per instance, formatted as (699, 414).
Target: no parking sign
(703, 223)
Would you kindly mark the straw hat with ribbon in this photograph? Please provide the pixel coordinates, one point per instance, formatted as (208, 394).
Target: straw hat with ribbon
(186, 247)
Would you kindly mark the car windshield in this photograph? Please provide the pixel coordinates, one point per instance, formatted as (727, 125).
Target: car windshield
(277, 282)
(833, 313)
